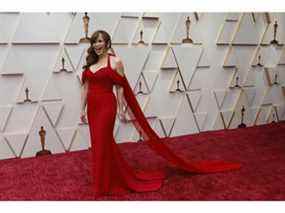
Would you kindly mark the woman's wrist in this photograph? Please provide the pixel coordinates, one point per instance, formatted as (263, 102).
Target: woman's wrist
(121, 109)
(119, 106)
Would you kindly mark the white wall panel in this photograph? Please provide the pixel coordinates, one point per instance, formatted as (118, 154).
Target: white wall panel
(226, 51)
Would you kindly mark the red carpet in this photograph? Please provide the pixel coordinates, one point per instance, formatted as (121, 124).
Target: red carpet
(260, 149)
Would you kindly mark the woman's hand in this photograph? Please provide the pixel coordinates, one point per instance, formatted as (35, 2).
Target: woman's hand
(122, 116)
(83, 117)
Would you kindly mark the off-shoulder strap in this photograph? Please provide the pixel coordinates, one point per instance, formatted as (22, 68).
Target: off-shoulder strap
(109, 62)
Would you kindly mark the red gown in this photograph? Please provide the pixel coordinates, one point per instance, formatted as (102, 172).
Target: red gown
(111, 174)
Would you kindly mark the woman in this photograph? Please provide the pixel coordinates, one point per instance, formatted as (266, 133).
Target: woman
(110, 171)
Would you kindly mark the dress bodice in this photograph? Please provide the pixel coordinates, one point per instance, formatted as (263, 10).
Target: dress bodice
(100, 81)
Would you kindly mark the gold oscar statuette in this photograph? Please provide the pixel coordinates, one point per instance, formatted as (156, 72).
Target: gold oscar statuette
(276, 79)
(85, 19)
(141, 41)
(237, 82)
(259, 61)
(187, 39)
(42, 134)
(27, 99)
(274, 41)
(177, 86)
(242, 124)
(62, 65)
(140, 88)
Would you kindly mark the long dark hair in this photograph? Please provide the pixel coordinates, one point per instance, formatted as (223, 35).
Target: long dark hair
(92, 57)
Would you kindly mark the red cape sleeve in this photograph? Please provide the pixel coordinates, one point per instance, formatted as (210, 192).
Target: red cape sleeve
(150, 137)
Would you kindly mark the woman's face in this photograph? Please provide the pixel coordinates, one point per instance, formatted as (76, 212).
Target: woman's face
(100, 45)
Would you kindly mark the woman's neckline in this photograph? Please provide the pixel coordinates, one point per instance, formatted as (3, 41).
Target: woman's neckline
(94, 73)
(106, 66)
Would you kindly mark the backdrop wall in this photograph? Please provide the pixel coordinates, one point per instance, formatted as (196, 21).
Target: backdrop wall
(186, 88)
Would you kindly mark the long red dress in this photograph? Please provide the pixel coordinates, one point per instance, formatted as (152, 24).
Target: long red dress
(110, 171)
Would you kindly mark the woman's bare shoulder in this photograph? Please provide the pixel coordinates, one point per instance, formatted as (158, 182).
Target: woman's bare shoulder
(116, 59)
(117, 65)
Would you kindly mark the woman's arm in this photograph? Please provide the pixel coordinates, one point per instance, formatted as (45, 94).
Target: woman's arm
(120, 92)
(84, 89)
(119, 89)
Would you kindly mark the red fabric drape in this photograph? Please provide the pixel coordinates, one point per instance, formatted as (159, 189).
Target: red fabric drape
(156, 143)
